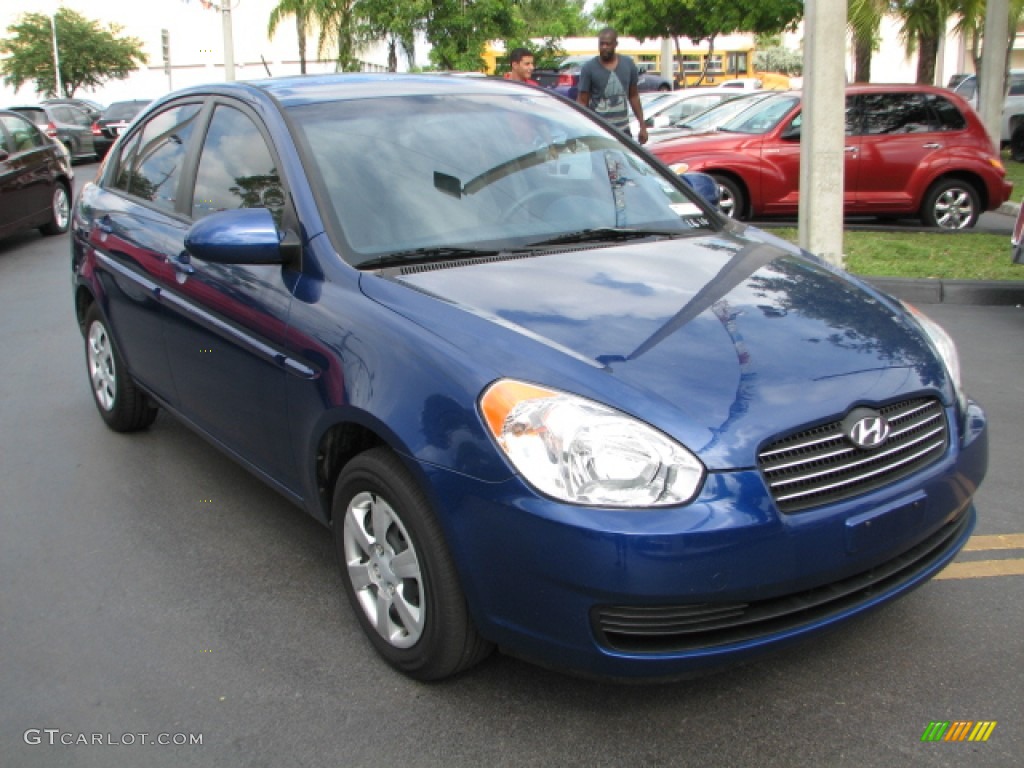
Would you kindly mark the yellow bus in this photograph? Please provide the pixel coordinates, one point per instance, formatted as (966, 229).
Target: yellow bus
(732, 58)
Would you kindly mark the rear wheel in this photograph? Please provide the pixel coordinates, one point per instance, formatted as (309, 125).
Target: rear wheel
(1017, 143)
(397, 571)
(951, 204)
(121, 403)
(60, 211)
(731, 200)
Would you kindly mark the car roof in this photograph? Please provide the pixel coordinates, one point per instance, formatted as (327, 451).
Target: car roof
(298, 90)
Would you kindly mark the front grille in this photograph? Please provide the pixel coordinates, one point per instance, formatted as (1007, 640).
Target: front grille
(821, 465)
(678, 628)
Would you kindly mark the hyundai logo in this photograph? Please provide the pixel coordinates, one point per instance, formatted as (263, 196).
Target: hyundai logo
(866, 428)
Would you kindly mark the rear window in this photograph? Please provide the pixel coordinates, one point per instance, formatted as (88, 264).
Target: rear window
(37, 116)
(123, 110)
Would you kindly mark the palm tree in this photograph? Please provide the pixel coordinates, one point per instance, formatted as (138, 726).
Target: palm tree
(300, 10)
(337, 19)
(864, 18)
(923, 27)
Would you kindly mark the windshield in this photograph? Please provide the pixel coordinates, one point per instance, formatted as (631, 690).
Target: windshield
(480, 171)
(715, 116)
(763, 116)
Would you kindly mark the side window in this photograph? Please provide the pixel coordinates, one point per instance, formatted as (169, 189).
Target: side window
(896, 113)
(950, 118)
(236, 169)
(22, 134)
(75, 116)
(1016, 85)
(151, 164)
(5, 144)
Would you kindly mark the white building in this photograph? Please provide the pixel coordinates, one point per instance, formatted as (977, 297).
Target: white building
(196, 35)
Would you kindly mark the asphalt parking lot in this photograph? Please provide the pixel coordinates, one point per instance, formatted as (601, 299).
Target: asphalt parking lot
(152, 591)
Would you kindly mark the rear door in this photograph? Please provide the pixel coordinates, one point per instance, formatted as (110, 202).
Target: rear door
(900, 140)
(26, 174)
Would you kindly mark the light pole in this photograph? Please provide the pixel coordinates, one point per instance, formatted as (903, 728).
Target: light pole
(229, 44)
(56, 56)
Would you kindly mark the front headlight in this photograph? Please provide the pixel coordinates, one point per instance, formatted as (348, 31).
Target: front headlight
(583, 452)
(943, 344)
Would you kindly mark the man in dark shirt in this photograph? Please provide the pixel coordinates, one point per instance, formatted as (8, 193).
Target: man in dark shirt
(608, 83)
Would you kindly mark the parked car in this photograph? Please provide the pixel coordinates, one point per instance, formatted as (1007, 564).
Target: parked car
(710, 119)
(35, 179)
(563, 79)
(742, 83)
(113, 121)
(679, 105)
(910, 150)
(93, 108)
(1017, 239)
(68, 124)
(650, 79)
(1012, 116)
(543, 395)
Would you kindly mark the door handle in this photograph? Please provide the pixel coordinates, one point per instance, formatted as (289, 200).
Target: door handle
(851, 149)
(181, 265)
(932, 146)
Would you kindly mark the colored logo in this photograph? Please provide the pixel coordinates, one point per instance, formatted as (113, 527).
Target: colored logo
(958, 730)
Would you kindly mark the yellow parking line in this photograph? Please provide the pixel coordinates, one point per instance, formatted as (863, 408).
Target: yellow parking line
(981, 569)
(1004, 541)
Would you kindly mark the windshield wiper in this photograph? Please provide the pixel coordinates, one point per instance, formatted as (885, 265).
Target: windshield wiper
(426, 255)
(605, 235)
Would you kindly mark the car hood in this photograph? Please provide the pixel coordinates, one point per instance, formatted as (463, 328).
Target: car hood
(708, 141)
(724, 341)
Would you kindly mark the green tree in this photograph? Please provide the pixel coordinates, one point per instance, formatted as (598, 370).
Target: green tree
(972, 27)
(89, 54)
(300, 9)
(773, 56)
(340, 31)
(922, 27)
(699, 19)
(458, 30)
(396, 23)
(864, 19)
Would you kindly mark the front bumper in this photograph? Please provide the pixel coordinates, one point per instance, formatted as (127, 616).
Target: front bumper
(673, 592)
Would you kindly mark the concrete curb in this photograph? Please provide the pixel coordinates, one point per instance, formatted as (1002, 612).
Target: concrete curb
(929, 291)
(1010, 208)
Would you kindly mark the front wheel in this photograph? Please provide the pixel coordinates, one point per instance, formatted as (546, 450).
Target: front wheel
(731, 200)
(397, 571)
(121, 403)
(951, 204)
(60, 211)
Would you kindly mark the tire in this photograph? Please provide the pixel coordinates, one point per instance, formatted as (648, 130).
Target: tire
(951, 204)
(1017, 143)
(413, 612)
(731, 199)
(60, 211)
(121, 403)
(664, 87)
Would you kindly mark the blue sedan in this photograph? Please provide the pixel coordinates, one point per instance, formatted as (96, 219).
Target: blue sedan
(542, 394)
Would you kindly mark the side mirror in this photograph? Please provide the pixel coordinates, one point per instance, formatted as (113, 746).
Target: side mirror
(241, 236)
(791, 133)
(658, 121)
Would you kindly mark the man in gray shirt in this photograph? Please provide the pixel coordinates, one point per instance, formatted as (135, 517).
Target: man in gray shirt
(608, 83)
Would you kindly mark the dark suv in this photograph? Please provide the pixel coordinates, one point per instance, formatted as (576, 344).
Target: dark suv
(68, 124)
(911, 150)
